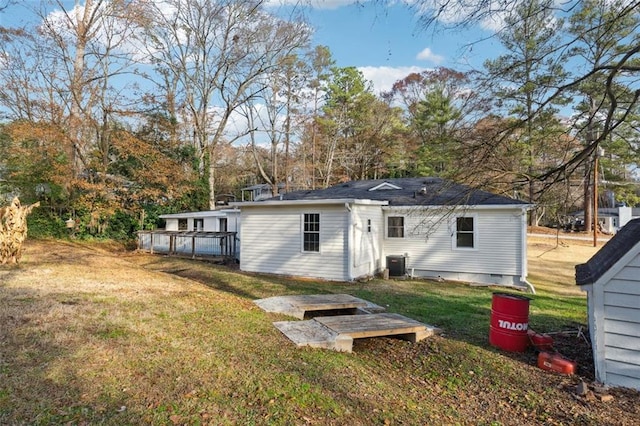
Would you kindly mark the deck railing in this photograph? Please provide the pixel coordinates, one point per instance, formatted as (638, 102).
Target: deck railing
(190, 243)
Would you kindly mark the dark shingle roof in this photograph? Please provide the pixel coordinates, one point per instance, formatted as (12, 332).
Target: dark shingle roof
(609, 254)
(412, 192)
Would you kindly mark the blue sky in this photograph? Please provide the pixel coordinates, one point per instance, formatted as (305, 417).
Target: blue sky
(387, 43)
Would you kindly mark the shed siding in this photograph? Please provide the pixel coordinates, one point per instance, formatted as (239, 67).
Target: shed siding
(622, 327)
(272, 242)
(621, 306)
(428, 242)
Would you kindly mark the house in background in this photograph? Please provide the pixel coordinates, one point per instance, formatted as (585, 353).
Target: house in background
(225, 220)
(611, 219)
(426, 227)
(611, 279)
(261, 191)
(212, 233)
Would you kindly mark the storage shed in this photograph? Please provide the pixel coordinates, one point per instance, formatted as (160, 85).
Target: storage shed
(611, 279)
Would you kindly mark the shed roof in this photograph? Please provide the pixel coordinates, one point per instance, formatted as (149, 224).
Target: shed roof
(423, 191)
(609, 254)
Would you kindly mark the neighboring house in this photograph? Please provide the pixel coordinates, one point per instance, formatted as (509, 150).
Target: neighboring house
(611, 219)
(433, 227)
(224, 220)
(611, 279)
(261, 191)
(212, 233)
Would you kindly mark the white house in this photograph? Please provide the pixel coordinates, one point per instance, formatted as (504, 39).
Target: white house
(427, 227)
(611, 279)
(224, 220)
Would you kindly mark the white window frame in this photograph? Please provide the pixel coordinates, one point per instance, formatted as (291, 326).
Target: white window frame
(454, 233)
(404, 226)
(302, 233)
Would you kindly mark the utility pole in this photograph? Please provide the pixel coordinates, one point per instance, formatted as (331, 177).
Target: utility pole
(596, 154)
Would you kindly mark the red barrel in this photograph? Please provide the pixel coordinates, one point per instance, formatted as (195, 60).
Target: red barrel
(509, 322)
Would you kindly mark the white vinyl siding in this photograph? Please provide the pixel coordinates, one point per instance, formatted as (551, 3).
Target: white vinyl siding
(428, 236)
(620, 348)
(271, 242)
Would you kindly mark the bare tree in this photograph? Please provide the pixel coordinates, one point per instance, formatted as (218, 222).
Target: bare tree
(219, 53)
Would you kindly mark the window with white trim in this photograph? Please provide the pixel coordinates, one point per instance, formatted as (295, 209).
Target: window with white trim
(395, 227)
(465, 232)
(183, 225)
(311, 232)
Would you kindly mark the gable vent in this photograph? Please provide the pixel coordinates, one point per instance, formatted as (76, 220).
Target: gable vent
(384, 186)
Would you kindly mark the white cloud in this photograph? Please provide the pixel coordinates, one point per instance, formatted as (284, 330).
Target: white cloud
(427, 55)
(383, 78)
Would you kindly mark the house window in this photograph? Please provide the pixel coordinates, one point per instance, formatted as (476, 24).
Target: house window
(198, 224)
(369, 225)
(311, 233)
(465, 237)
(182, 225)
(395, 227)
(223, 224)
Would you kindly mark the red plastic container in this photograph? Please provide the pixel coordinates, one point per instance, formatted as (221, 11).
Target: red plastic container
(556, 362)
(509, 322)
(542, 342)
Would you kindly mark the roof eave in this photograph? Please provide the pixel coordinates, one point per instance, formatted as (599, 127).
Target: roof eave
(272, 203)
(462, 206)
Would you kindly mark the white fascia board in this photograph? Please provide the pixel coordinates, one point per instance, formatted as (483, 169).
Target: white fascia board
(462, 207)
(309, 202)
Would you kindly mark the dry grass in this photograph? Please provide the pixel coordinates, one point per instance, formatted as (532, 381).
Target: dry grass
(89, 335)
(552, 262)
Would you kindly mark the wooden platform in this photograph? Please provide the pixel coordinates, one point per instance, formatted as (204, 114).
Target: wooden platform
(338, 332)
(376, 325)
(309, 305)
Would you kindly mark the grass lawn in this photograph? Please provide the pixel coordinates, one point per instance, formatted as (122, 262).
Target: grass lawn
(90, 335)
